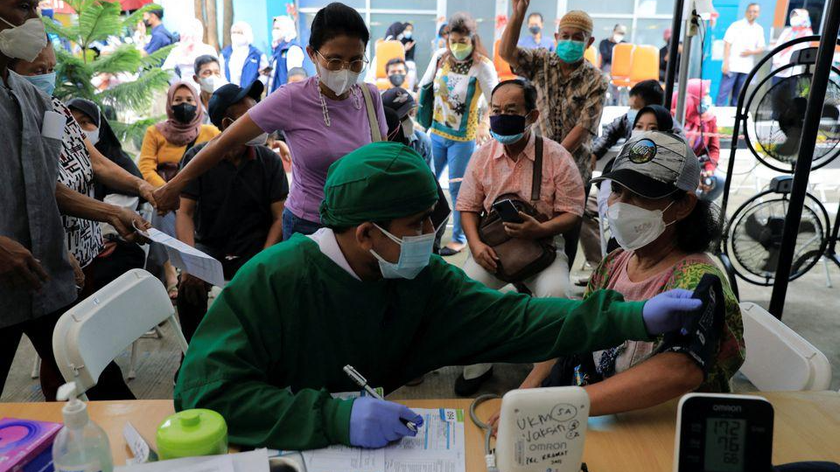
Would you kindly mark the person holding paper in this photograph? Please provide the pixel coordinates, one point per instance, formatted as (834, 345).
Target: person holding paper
(367, 291)
(36, 279)
(235, 210)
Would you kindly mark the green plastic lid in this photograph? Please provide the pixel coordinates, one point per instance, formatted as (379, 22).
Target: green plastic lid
(192, 433)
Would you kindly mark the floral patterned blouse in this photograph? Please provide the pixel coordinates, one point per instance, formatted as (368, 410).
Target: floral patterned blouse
(686, 274)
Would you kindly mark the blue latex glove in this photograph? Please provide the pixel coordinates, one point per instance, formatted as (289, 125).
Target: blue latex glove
(670, 311)
(375, 423)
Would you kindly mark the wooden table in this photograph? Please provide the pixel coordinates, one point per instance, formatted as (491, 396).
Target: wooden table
(807, 427)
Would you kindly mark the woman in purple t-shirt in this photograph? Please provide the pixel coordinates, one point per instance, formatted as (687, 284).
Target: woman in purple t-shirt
(324, 118)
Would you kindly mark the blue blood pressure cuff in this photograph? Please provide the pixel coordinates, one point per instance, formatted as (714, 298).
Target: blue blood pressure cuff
(699, 340)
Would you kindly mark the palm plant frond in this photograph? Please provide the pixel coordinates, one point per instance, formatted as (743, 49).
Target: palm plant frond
(54, 27)
(134, 132)
(137, 94)
(124, 59)
(156, 58)
(130, 22)
(98, 21)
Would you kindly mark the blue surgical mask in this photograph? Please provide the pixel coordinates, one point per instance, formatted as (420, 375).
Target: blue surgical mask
(45, 82)
(415, 253)
(407, 35)
(631, 116)
(570, 51)
(705, 104)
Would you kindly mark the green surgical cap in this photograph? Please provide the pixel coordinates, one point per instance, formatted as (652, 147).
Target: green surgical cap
(382, 181)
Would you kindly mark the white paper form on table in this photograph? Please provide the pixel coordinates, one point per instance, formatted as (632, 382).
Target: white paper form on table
(438, 446)
(188, 258)
(254, 461)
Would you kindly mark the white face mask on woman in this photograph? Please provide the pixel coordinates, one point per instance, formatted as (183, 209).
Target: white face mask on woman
(634, 227)
(339, 81)
(25, 41)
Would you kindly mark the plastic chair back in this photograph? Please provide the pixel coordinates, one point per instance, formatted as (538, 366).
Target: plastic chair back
(385, 51)
(622, 61)
(591, 55)
(778, 358)
(645, 64)
(502, 67)
(94, 332)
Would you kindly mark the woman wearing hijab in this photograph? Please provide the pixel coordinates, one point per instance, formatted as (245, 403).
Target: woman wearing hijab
(163, 147)
(118, 255)
(183, 56)
(287, 52)
(242, 62)
(800, 26)
(404, 32)
(702, 132)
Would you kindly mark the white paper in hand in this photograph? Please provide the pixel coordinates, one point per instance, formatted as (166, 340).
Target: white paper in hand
(188, 258)
(53, 125)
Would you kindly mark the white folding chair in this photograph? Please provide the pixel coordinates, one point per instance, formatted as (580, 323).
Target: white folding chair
(94, 332)
(779, 359)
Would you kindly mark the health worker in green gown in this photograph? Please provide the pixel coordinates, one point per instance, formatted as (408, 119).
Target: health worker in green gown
(366, 291)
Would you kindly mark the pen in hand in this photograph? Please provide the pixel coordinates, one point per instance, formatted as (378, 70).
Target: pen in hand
(356, 377)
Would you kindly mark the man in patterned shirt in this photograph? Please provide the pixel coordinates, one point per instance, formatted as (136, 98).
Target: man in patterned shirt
(570, 90)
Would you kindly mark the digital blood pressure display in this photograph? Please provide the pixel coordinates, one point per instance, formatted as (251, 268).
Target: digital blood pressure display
(723, 433)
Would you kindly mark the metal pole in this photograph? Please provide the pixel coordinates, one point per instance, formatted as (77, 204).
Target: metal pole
(685, 61)
(816, 98)
(673, 50)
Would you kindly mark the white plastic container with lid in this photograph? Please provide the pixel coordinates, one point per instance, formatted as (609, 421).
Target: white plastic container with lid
(81, 445)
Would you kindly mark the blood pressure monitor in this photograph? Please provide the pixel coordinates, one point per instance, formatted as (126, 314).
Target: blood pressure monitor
(723, 433)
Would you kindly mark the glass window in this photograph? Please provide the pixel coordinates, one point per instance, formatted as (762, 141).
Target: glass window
(424, 32)
(484, 16)
(611, 7)
(603, 28)
(404, 4)
(655, 7)
(650, 32)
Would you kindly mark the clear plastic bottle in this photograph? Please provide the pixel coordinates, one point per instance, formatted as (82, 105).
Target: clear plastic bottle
(81, 445)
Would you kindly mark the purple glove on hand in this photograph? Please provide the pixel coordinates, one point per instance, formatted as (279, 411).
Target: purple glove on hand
(670, 311)
(375, 423)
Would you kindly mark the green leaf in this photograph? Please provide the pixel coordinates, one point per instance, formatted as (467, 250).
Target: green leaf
(70, 33)
(134, 18)
(125, 58)
(138, 94)
(134, 132)
(74, 77)
(155, 59)
(98, 21)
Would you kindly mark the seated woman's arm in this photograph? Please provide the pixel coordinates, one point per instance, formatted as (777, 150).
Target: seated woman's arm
(659, 379)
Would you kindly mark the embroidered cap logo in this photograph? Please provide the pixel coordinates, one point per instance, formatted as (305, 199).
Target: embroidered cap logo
(642, 151)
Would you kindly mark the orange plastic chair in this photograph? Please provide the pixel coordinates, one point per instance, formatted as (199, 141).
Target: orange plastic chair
(591, 55)
(385, 51)
(645, 64)
(502, 67)
(622, 64)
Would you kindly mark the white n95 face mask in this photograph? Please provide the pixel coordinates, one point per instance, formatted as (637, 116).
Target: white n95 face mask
(93, 136)
(635, 227)
(339, 81)
(415, 253)
(258, 141)
(211, 84)
(25, 41)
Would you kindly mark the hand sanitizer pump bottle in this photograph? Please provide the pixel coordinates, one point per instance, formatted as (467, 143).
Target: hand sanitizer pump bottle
(81, 446)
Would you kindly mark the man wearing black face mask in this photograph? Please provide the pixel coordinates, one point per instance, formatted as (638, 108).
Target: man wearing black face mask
(396, 71)
(233, 211)
(536, 39)
(161, 37)
(502, 169)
